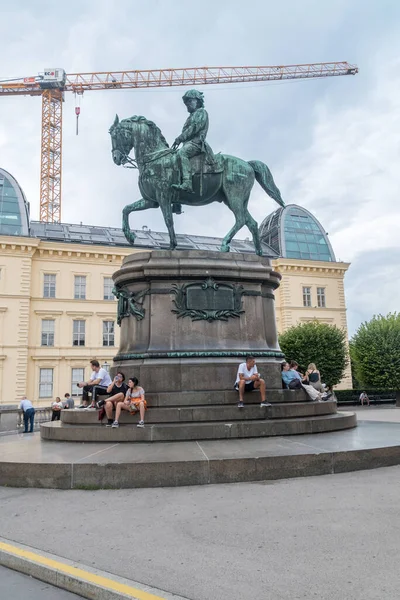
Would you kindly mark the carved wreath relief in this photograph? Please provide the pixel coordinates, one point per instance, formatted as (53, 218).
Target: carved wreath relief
(208, 300)
(201, 301)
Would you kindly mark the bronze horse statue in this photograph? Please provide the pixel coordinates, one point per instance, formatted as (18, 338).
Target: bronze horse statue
(228, 180)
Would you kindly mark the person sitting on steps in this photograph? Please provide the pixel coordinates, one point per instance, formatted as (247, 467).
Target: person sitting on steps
(117, 389)
(290, 377)
(295, 380)
(248, 379)
(97, 386)
(134, 401)
(314, 377)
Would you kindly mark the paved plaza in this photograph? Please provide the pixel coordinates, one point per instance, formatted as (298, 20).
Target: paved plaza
(331, 537)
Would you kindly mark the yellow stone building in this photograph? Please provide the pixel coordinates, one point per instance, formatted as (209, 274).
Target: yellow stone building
(57, 310)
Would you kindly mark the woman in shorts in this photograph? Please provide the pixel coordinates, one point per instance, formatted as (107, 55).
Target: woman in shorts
(134, 402)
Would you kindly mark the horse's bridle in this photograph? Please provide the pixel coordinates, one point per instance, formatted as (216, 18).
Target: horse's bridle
(133, 163)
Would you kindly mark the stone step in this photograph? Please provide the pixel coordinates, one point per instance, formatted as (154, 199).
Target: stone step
(275, 396)
(208, 413)
(197, 431)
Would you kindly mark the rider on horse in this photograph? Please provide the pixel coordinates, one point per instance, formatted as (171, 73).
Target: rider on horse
(192, 138)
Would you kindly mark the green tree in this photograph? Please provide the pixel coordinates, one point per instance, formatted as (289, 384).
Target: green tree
(319, 343)
(375, 352)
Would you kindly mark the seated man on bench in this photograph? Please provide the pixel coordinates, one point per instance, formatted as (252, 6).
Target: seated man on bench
(248, 379)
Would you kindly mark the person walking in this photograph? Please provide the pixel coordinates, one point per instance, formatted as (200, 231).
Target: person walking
(29, 414)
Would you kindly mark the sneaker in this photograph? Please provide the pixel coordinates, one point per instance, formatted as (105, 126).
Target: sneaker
(110, 422)
(140, 424)
(81, 406)
(90, 407)
(100, 404)
(115, 424)
(265, 404)
(240, 405)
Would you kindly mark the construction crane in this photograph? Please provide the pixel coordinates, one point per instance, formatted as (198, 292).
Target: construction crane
(52, 84)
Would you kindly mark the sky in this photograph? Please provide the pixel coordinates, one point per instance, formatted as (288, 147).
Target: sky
(332, 144)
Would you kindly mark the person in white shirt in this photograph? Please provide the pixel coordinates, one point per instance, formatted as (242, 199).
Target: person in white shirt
(97, 386)
(56, 408)
(248, 379)
(364, 398)
(29, 413)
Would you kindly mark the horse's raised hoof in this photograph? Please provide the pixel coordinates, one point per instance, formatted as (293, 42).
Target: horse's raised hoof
(259, 252)
(225, 248)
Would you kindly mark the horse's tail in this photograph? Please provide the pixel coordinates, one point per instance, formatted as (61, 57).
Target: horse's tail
(265, 179)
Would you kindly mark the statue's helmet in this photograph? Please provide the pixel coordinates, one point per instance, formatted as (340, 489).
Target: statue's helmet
(199, 96)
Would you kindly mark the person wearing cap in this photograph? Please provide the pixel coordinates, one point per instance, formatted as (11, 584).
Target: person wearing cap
(192, 138)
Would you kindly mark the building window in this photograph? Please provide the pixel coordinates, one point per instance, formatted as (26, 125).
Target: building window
(108, 333)
(49, 286)
(80, 287)
(77, 375)
(47, 332)
(321, 297)
(108, 288)
(306, 296)
(46, 383)
(78, 333)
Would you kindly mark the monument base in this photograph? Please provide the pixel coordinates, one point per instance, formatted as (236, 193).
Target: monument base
(188, 318)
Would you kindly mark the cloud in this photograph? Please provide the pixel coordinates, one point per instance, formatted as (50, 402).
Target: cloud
(332, 145)
(349, 175)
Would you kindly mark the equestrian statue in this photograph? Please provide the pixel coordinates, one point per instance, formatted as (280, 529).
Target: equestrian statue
(188, 172)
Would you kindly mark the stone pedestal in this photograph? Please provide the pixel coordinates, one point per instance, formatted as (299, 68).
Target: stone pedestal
(188, 318)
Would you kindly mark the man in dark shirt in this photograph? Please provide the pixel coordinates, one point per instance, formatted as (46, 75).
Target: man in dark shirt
(117, 389)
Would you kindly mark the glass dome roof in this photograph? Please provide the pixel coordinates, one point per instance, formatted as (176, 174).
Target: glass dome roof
(293, 232)
(14, 209)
